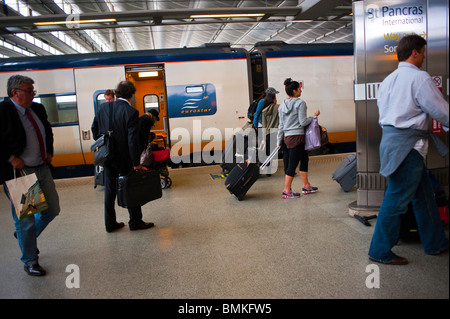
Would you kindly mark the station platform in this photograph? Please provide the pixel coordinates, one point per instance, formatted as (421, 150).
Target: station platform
(208, 245)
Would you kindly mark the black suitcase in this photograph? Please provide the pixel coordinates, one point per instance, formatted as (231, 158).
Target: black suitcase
(138, 188)
(99, 176)
(241, 178)
(346, 172)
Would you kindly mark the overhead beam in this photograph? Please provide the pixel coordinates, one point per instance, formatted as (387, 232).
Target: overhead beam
(319, 9)
(133, 18)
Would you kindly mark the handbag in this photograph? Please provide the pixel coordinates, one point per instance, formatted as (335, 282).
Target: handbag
(147, 155)
(323, 135)
(103, 147)
(138, 188)
(313, 135)
(26, 195)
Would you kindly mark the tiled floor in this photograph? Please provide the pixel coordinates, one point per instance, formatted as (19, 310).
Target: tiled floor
(207, 244)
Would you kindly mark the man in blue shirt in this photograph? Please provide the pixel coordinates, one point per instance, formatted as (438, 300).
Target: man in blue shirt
(406, 100)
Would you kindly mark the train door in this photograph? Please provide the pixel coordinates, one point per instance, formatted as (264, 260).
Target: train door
(89, 82)
(151, 94)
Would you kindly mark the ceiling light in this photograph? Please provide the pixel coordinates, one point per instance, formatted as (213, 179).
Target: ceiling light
(75, 21)
(148, 74)
(230, 15)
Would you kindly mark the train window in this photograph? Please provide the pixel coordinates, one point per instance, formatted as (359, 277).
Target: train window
(151, 101)
(101, 99)
(61, 109)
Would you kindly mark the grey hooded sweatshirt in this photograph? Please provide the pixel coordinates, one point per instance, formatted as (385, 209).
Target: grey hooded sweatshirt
(293, 119)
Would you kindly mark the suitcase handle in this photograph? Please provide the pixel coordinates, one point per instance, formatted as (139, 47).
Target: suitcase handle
(271, 156)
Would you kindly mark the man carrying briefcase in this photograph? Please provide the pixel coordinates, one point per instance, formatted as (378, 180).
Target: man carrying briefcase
(126, 138)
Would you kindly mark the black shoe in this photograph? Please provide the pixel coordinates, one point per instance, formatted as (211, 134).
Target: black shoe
(115, 227)
(34, 270)
(142, 225)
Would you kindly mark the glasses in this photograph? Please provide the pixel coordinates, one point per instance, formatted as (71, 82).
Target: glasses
(28, 91)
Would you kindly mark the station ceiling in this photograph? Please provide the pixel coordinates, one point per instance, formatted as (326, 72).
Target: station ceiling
(159, 24)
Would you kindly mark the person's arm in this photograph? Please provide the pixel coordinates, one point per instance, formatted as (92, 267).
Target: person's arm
(258, 113)
(431, 101)
(280, 133)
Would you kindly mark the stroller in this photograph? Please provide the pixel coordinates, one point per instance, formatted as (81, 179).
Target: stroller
(161, 157)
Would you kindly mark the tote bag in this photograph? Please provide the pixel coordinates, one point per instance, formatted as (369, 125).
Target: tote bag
(26, 195)
(313, 135)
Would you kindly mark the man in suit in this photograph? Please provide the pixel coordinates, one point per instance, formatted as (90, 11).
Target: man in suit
(27, 144)
(126, 138)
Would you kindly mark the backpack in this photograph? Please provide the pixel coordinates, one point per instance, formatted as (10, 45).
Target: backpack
(252, 109)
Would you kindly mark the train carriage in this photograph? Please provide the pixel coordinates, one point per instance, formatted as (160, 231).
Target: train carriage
(194, 89)
(202, 93)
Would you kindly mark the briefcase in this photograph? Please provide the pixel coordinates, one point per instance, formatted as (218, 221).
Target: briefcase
(138, 188)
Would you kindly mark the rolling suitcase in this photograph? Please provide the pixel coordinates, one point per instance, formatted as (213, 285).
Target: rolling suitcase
(99, 178)
(241, 178)
(245, 174)
(345, 174)
(138, 188)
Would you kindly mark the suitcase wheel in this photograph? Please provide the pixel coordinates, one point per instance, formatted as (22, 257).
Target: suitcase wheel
(166, 182)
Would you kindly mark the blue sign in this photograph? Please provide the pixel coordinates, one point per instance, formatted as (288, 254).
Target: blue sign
(191, 100)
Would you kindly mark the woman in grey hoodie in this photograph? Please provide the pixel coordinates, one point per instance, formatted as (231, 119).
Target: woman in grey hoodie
(291, 130)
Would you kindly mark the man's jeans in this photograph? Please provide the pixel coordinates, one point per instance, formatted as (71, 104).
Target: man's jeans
(410, 182)
(29, 228)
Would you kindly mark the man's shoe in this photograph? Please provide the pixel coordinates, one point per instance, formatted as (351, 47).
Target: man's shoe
(397, 260)
(142, 225)
(34, 270)
(115, 227)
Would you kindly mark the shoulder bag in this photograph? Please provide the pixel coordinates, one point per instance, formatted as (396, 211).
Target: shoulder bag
(103, 147)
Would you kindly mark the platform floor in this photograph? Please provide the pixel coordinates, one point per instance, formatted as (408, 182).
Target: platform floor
(206, 244)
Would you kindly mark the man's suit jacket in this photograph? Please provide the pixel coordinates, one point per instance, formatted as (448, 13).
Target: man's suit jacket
(13, 138)
(125, 133)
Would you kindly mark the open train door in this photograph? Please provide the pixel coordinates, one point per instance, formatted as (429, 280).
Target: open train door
(149, 81)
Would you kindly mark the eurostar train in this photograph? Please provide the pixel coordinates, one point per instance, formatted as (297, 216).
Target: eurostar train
(201, 93)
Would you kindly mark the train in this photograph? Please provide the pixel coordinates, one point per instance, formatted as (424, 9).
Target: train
(202, 93)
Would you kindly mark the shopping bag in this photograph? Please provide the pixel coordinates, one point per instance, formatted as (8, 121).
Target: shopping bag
(26, 195)
(313, 135)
